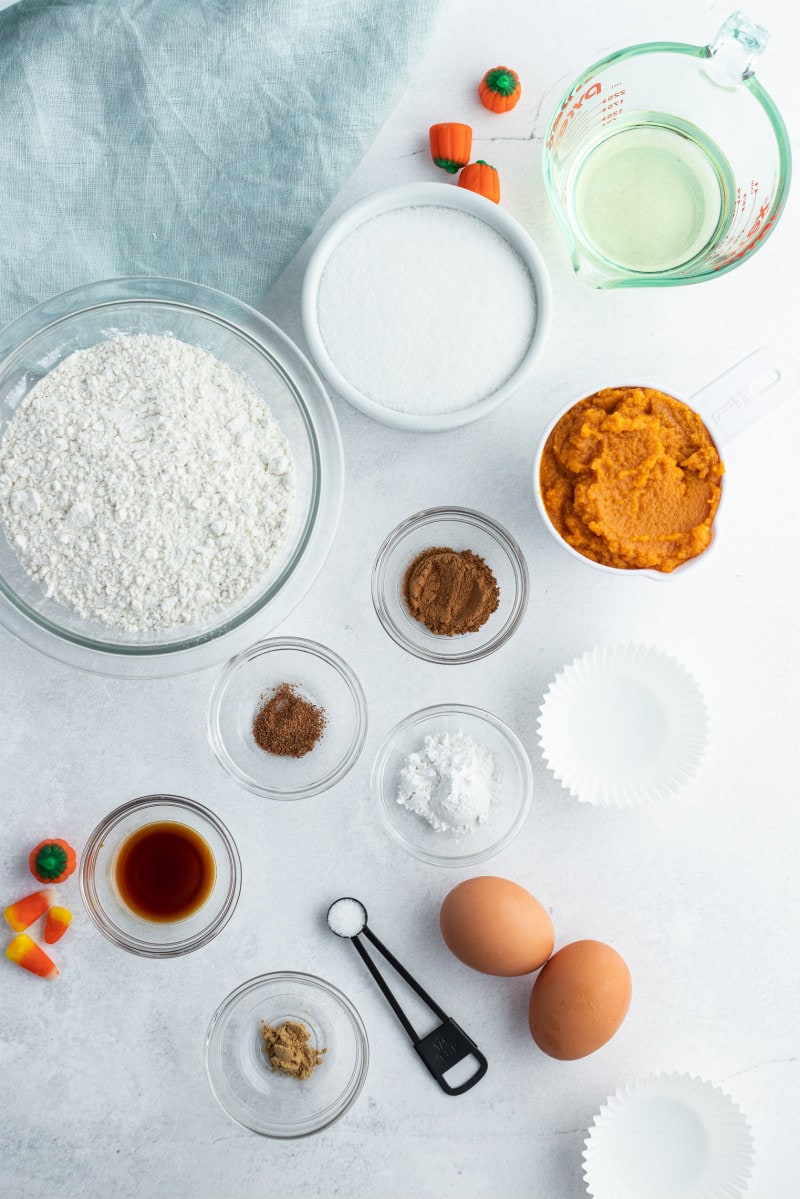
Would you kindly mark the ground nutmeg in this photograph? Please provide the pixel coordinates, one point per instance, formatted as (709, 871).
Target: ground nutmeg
(287, 724)
(450, 591)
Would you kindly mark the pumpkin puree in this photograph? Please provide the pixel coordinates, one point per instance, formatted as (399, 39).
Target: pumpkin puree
(631, 478)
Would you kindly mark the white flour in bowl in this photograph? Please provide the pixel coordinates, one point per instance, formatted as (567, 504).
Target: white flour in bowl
(145, 484)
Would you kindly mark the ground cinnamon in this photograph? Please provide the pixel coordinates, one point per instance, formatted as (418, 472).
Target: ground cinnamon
(287, 724)
(450, 591)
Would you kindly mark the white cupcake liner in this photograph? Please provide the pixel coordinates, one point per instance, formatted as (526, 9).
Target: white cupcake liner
(669, 1136)
(623, 726)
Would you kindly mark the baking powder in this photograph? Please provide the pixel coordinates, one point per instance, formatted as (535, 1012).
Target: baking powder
(426, 309)
(452, 782)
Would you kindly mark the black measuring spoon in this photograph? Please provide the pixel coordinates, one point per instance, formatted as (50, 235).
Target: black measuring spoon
(441, 1049)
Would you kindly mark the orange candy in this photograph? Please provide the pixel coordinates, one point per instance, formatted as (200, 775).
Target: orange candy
(21, 915)
(481, 177)
(451, 145)
(26, 953)
(500, 89)
(52, 861)
(57, 923)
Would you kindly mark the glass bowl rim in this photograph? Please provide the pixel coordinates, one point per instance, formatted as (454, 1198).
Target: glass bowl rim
(96, 911)
(345, 1004)
(499, 535)
(322, 432)
(421, 716)
(317, 650)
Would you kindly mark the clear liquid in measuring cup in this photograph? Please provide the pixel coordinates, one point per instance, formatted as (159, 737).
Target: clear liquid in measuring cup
(652, 194)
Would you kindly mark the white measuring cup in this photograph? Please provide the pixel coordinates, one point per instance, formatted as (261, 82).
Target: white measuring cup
(729, 405)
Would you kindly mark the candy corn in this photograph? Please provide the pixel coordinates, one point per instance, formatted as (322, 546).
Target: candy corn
(27, 954)
(57, 923)
(22, 914)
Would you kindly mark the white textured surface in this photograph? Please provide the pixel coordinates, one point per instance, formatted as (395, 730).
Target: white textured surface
(101, 1073)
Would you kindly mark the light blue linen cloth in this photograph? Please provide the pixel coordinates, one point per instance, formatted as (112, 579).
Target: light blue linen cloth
(200, 139)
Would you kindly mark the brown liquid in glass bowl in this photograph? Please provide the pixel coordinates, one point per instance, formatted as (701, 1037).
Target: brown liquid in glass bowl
(164, 871)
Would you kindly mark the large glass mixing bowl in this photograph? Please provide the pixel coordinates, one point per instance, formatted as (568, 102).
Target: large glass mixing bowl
(248, 343)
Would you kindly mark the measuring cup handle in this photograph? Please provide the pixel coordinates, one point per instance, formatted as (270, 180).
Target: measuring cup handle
(444, 1048)
(747, 392)
(738, 46)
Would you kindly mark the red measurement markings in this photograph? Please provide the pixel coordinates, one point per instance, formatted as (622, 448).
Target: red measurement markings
(612, 105)
(570, 110)
(753, 225)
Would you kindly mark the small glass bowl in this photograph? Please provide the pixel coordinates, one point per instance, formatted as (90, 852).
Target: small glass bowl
(413, 832)
(270, 1102)
(151, 939)
(458, 529)
(320, 676)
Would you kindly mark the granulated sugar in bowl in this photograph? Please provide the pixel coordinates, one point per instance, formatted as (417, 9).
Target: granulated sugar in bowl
(426, 306)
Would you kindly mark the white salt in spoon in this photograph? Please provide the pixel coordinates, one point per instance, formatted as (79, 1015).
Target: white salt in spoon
(441, 1049)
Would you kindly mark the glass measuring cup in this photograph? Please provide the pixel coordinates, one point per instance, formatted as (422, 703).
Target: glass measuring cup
(667, 163)
(729, 405)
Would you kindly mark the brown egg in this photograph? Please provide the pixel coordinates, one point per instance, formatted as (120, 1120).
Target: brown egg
(579, 1000)
(496, 926)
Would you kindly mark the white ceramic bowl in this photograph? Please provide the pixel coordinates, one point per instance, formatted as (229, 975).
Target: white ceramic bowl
(729, 405)
(658, 575)
(439, 195)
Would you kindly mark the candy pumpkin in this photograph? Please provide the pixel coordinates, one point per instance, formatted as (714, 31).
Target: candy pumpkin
(500, 89)
(52, 861)
(482, 178)
(451, 145)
